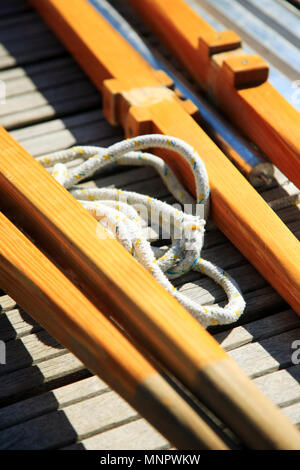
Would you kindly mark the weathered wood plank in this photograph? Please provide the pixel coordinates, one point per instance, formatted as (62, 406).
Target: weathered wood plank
(37, 132)
(24, 52)
(26, 26)
(63, 427)
(282, 387)
(204, 290)
(9, 7)
(16, 384)
(85, 134)
(258, 330)
(52, 96)
(260, 303)
(6, 303)
(16, 324)
(138, 435)
(287, 189)
(30, 350)
(38, 347)
(51, 401)
(258, 300)
(289, 214)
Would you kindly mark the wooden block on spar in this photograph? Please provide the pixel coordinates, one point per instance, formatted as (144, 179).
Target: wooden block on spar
(245, 71)
(259, 111)
(213, 42)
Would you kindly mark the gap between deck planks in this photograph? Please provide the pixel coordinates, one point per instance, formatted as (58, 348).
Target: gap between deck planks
(266, 339)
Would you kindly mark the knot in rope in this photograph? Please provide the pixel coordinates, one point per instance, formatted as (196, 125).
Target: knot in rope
(123, 214)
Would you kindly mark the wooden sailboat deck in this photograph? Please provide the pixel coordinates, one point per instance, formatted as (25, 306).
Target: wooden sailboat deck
(48, 399)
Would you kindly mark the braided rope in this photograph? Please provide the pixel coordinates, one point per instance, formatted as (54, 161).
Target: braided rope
(120, 213)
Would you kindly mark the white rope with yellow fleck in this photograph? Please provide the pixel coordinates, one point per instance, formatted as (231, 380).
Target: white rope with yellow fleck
(120, 213)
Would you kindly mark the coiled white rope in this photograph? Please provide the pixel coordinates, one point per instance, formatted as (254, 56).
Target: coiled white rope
(119, 212)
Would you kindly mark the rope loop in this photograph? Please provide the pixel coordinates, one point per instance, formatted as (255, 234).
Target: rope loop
(125, 213)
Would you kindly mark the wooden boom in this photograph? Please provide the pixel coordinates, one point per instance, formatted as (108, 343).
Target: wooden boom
(108, 274)
(46, 293)
(120, 287)
(236, 80)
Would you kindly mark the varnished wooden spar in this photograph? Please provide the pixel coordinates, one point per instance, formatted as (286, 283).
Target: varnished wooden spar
(135, 98)
(237, 81)
(106, 272)
(123, 289)
(52, 300)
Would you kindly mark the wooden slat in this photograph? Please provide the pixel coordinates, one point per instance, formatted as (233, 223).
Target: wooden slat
(48, 111)
(53, 95)
(28, 26)
(224, 255)
(113, 65)
(7, 21)
(6, 303)
(34, 70)
(252, 237)
(30, 350)
(293, 413)
(16, 324)
(260, 32)
(166, 116)
(63, 71)
(33, 135)
(20, 53)
(159, 297)
(9, 7)
(40, 347)
(87, 133)
(274, 386)
(278, 16)
(261, 302)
